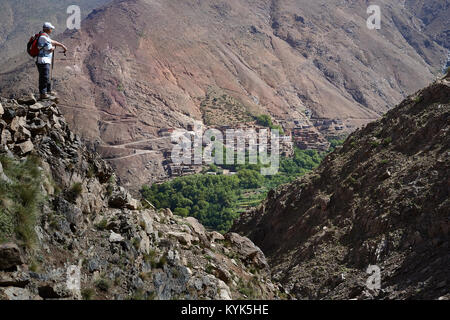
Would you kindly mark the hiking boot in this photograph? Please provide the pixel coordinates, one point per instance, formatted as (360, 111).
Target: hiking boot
(53, 93)
(46, 96)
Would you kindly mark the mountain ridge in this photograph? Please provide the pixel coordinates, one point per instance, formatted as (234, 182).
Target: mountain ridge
(141, 66)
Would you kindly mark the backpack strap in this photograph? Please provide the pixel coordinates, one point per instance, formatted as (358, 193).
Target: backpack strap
(39, 35)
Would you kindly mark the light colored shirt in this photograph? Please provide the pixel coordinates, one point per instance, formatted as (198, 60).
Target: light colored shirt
(44, 46)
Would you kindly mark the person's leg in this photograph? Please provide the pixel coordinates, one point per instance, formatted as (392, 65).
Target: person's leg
(47, 77)
(49, 82)
(44, 79)
(42, 83)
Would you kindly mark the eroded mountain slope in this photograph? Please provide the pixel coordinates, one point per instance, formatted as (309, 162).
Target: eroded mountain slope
(382, 199)
(138, 66)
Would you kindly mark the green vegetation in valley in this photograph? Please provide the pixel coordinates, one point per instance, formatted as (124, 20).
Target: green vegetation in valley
(216, 200)
(20, 199)
(206, 197)
(335, 142)
(266, 121)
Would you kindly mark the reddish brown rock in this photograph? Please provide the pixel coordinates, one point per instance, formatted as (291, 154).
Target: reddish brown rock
(24, 147)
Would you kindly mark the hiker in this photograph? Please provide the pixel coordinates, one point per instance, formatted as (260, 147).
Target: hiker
(46, 48)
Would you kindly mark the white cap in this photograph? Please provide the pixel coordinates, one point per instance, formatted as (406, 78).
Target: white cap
(48, 25)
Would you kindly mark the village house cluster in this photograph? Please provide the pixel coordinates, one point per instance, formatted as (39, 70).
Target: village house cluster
(297, 132)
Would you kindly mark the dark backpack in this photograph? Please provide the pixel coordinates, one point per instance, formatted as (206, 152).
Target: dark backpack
(32, 46)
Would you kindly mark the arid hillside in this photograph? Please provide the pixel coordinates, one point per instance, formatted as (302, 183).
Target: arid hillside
(381, 199)
(22, 19)
(139, 66)
(434, 16)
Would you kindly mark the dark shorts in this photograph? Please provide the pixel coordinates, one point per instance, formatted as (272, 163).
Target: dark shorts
(44, 77)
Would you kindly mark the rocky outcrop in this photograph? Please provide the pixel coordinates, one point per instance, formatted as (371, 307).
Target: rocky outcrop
(248, 250)
(121, 198)
(382, 199)
(87, 222)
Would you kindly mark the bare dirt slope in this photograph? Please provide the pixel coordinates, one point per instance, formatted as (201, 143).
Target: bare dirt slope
(21, 19)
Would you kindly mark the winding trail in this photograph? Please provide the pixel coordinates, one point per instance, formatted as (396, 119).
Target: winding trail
(124, 145)
(137, 153)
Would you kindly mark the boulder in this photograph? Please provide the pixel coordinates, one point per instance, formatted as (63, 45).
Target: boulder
(54, 110)
(6, 137)
(38, 126)
(198, 230)
(56, 121)
(196, 226)
(94, 265)
(21, 135)
(115, 237)
(36, 107)
(215, 236)
(222, 273)
(21, 111)
(144, 244)
(1, 110)
(121, 198)
(27, 100)
(146, 222)
(73, 214)
(8, 115)
(223, 291)
(102, 169)
(16, 123)
(10, 256)
(133, 204)
(248, 250)
(182, 237)
(167, 212)
(24, 147)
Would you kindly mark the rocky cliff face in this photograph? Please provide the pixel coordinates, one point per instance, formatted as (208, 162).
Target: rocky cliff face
(77, 217)
(382, 199)
(433, 16)
(138, 66)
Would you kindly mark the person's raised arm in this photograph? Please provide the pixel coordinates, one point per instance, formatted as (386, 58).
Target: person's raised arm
(59, 44)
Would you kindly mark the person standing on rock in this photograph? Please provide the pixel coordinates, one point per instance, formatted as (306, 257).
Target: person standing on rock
(46, 48)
